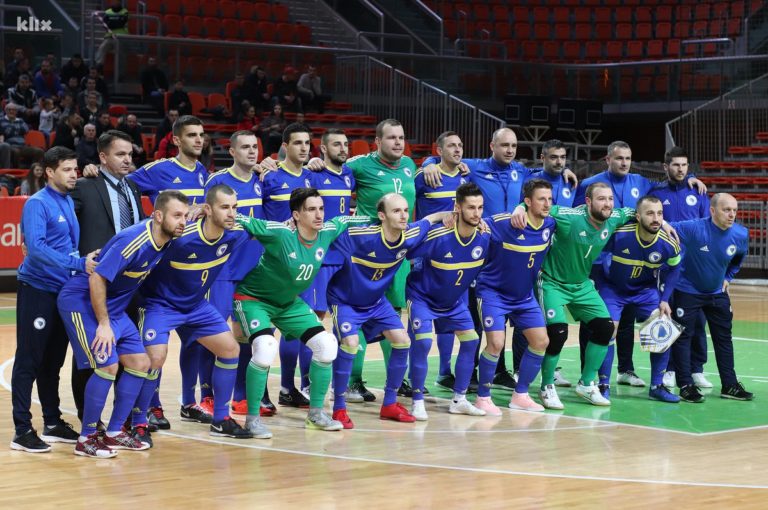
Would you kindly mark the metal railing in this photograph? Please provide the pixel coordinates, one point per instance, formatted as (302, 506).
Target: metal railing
(437, 19)
(754, 216)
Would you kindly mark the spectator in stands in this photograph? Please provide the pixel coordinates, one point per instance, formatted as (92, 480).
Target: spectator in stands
(255, 89)
(72, 86)
(130, 126)
(285, 91)
(311, 90)
(167, 149)
(24, 98)
(249, 122)
(165, 126)
(47, 83)
(34, 181)
(116, 20)
(90, 88)
(18, 56)
(5, 154)
(12, 132)
(236, 95)
(101, 85)
(90, 110)
(271, 130)
(49, 117)
(179, 99)
(153, 85)
(206, 156)
(75, 68)
(23, 66)
(87, 154)
(69, 131)
(67, 105)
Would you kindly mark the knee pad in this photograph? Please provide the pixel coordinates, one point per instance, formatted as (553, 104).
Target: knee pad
(602, 330)
(264, 349)
(557, 334)
(324, 347)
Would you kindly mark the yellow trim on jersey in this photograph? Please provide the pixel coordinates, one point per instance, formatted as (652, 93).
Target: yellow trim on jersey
(457, 265)
(248, 202)
(357, 231)
(182, 165)
(335, 193)
(458, 237)
(82, 338)
(134, 274)
(231, 171)
(534, 227)
(199, 224)
(199, 266)
(374, 265)
(194, 192)
(280, 198)
(633, 262)
(149, 165)
(281, 166)
(525, 249)
(441, 194)
(142, 238)
(399, 243)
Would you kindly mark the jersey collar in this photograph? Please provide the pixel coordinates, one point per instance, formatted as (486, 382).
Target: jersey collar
(387, 245)
(458, 237)
(231, 171)
(202, 236)
(152, 239)
(281, 166)
(454, 174)
(640, 241)
(182, 165)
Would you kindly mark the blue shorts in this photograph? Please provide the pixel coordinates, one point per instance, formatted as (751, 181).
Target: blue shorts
(81, 330)
(521, 314)
(315, 295)
(373, 320)
(220, 295)
(645, 301)
(157, 322)
(421, 318)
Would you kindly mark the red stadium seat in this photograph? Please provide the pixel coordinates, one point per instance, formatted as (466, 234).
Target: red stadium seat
(262, 11)
(191, 7)
(655, 49)
(540, 15)
(197, 100)
(561, 15)
(249, 30)
(481, 12)
(702, 12)
(530, 50)
(169, 7)
(719, 11)
(502, 31)
(562, 31)
(209, 9)
(279, 13)
(227, 9)
(602, 15)
(172, 24)
(304, 34)
(572, 50)
(583, 32)
(643, 15)
(194, 26)
(683, 13)
(643, 31)
(267, 31)
(230, 29)
(212, 28)
(624, 31)
(663, 30)
(582, 15)
(522, 31)
(35, 139)
(245, 10)
(673, 48)
(216, 99)
(634, 50)
(520, 14)
(551, 50)
(663, 13)
(603, 31)
(614, 50)
(682, 30)
(541, 31)
(623, 14)
(593, 50)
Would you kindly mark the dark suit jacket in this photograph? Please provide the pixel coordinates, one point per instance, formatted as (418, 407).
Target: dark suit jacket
(94, 211)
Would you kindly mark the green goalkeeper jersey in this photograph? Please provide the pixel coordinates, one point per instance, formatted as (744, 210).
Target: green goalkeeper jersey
(577, 243)
(375, 178)
(289, 263)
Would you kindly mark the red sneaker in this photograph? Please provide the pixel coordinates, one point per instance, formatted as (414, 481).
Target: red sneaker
(207, 405)
(342, 416)
(239, 406)
(396, 412)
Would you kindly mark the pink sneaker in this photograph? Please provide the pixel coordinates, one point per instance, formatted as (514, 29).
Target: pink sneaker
(524, 402)
(487, 405)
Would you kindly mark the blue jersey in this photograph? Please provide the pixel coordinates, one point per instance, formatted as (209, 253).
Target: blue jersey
(445, 266)
(514, 259)
(634, 266)
(431, 200)
(562, 191)
(125, 262)
(712, 255)
(277, 191)
(170, 174)
(371, 263)
(190, 267)
(249, 203)
(336, 190)
(627, 190)
(51, 233)
(680, 202)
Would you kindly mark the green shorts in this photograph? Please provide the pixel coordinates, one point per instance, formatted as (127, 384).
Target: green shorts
(582, 301)
(292, 320)
(396, 291)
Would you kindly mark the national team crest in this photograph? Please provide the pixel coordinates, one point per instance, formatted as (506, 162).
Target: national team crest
(635, 192)
(477, 251)
(488, 321)
(346, 327)
(100, 357)
(319, 254)
(691, 200)
(550, 314)
(604, 234)
(680, 312)
(401, 254)
(416, 324)
(307, 184)
(545, 235)
(254, 324)
(347, 181)
(150, 335)
(566, 193)
(257, 189)
(407, 171)
(201, 179)
(221, 249)
(39, 323)
(731, 250)
(513, 175)
(654, 256)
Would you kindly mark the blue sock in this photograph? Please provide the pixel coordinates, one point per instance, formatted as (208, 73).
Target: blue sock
(659, 362)
(530, 365)
(398, 364)
(445, 349)
(143, 400)
(604, 373)
(465, 364)
(223, 379)
(205, 368)
(289, 354)
(242, 368)
(189, 363)
(155, 398)
(96, 391)
(342, 368)
(127, 389)
(419, 351)
(486, 371)
(305, 360)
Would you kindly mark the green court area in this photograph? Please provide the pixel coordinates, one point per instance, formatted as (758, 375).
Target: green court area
(7, 316)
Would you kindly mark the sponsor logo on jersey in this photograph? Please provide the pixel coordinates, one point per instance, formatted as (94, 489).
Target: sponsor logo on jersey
(292, 255)
(416, 323)
(654, 256)
(347, 181)
(449, 255)
(372, 254)
(380, 173)
(221, 249)
(327, 181)
(604, 234)
(477, 251)
(401, 254)
(319, 254)
(582, 234)
(145, 264)
(521, 237)
(285, 185)
(545, 234)
(346, 327)
(462, 181)
(488, 321)
(177, 181)
(566, 193)
(691, 200)
(666, 202)
(150, 335)
(62, 219)
(39, 323)
(257, 189)
(201, 179)
(704, 248)
(625, 250)
(192, 256)
(407, 171)
(731, 250)
(489, 176)
(635, 192)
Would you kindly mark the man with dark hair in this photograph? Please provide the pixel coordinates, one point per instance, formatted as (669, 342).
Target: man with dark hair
(116, 20)
(154, 84)
(130, 126)
(286, 92)
(310, 89)
(24, 97)
(75, 68)
(47, 82)
(69, 131)
(165, 127)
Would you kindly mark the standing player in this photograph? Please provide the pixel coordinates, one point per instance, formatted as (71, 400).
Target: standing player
(269, 294)
(94, 312)
(356, 293)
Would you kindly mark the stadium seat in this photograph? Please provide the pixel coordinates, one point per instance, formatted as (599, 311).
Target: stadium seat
(542, 32)
(304, 34)
(682, 30)
(603, 31)
(643, 31)
(593, 50)
(663, 30)
(520, 14)
(169, 7)
(155, 7)
(634, 50)
(148, 142)
(572, 50)
(663, 13)
(197, 100)
(212, 28)
(191, 7)
(358, 147)
(561, 15)
(702, 12)
(481, 12)
(541, 15)
(194, 26)
(217, 99)
(230, 29)
(624, 31)
(172, 24)
(551, 50)
(643, 15)
(249, 30)
(286, 33)
(210, 9)
(683, 13)
(35, 138)
(562, 31)
(246, 10)
(582, 15)
(623, 14)
(602, 15)
(522, 31)
(502, 31)
(583, 32)
(117, 110)
(614, 50)
(227, 9)
(267, 31)
(279, 13)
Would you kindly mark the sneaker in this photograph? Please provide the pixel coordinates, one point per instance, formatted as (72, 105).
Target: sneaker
(503, 381)
(239, 406)
(736, 392)
(690, 393)
(30, 443)
(405, 389)
(358, 388)
(605, 390)
(524, 402)
(669, 380)
(123, 441)
(473, 384)
(550, 399)
(701, 381)
(516, 376)
(256, 428)
(341, 416)
(487, 405)
(142, 433)
(319, 420)
(446, 381)
(207, 405)
(229, 428)
(591, 394)
(59, 433)
(194, 412)
(293, 398)
(305, 391)
(93, 447)
(629, 378)
(156, 418)
(267, 408)
(464, 406)
(419, 411)
(396, 412)
(561, 381)
(662, 394)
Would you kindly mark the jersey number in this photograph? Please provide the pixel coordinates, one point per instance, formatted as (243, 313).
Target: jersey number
(204, 277)
(377, 275)
(636, 271)
(460, 275)
(588, 251)
(305, 272)
(398, 184)
(342, 204)
(531, 260)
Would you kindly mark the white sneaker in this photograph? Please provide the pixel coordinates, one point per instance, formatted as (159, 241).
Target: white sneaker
(561, 381)
(419, 411)
(464, 406)
(516, 376)
(524, 402)
(669, 380)
(701, 381)
(549, 398)
(254, 425)
(630, 378)
(591, 394)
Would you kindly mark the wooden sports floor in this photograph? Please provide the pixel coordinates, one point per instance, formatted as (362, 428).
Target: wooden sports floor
(636, 454)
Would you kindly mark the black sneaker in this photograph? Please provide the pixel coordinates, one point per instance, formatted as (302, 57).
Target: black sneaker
(503, 381)
(446, 381)
(156, 419)
(736, 392)
(62, 432)
(229, 428)
(142, 433)
(294, 398)
(360, 388)
(194, 412)
(29, 442)
(690, 393)
(473, 383)
(405, 389)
